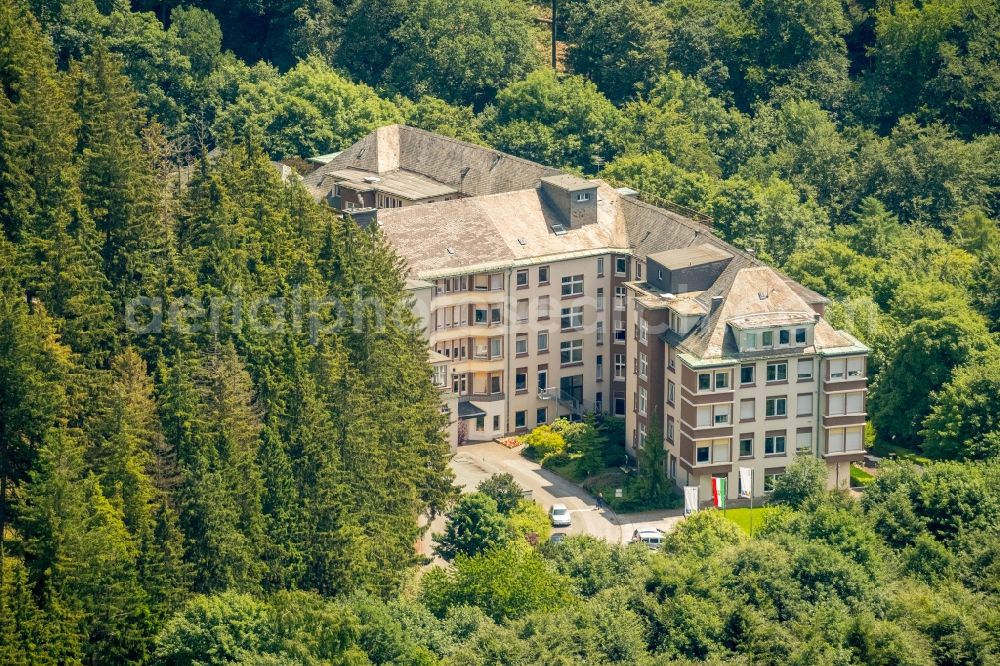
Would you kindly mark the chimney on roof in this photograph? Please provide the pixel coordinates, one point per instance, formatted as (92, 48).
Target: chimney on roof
(387, 148)
(716, 303)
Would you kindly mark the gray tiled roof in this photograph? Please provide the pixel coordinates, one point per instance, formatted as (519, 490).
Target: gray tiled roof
(470, 169)
(502, 220)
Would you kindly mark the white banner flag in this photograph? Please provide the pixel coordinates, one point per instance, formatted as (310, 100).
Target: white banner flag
(746, 481)
(690, 499)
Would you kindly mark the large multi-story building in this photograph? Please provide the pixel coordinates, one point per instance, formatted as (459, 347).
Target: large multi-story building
(545, 294)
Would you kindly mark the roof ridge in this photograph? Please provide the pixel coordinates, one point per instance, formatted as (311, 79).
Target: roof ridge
(468, 144)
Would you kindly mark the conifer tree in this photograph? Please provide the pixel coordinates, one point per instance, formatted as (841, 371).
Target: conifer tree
(81, 554)
(117, 179)
(47, 217)
(215, 427)
(33, 367)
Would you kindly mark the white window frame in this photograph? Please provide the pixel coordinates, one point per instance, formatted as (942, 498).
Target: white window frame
(571, 285)
(575, 350)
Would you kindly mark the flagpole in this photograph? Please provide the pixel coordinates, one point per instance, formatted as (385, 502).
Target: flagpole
(751, 502)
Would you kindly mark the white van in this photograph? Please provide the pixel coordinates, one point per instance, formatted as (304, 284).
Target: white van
(651, 537)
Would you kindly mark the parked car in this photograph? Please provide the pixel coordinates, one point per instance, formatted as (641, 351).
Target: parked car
(557, 537)
(653, 538)
(559, 515)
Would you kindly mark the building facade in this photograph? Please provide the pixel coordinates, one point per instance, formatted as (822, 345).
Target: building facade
(544, 294)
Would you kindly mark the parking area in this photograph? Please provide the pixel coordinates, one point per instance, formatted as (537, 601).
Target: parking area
(476, 462)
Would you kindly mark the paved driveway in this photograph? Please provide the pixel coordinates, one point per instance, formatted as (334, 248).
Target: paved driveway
(475, 462)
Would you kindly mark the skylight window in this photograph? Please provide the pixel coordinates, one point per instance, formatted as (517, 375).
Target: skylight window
(559, 229)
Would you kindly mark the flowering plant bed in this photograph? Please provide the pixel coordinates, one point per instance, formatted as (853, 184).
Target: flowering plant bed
(510, 442)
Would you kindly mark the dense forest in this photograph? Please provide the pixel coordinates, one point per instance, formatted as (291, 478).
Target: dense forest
(245, 484)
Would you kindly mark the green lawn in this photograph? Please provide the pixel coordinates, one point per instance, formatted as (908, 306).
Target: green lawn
(882, 450)
(860, 478)
(742, 516)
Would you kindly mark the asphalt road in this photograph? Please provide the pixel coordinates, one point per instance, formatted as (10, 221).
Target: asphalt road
(475, 462)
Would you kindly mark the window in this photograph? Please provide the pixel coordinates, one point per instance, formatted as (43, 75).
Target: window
(704, 454)
(543, 275)
(600, 367)
(496, 316)
(543, 341)
(838, 368)
(571, 351)
(750, 340)
(854, 438)
(804, 404)
(641, 439)
(496, 422)
(746, 447)
(777, 372)
(599, 402)
(572, 285)
(621, 265)
(496, 347)
(670, 392)
(721, 380)
(522, 279)
(496, 384)
(440, 375)
(805, 369)
(520, 418)
(642, 401)
(541, 415)
(767, 338)
(522, 310)
(619, 330)
(800, 336)
(480, 423)
(643, 365)
(746, 374)
(619, 366)
(835, 440)
(572, 318)
(521, 380)
(496, 281)
(543, 378)
(774, 407)
(481, 282)
(521, 344)
(621, 296)
(705, 381)
(747, 408)
(599, 330)
(582, 196)
(481, 316)
(619, 403)
(856, 366)
(769, 481)
(543, 307)
(638, 270)
(600, 267)
(846, 403)
(643, 330)
(600, 299)
(459, 384)
(703, 417)
(670, 429)
(783, 337)
(721, 414)
(670, 357)
(803, 441)
(774, 445)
